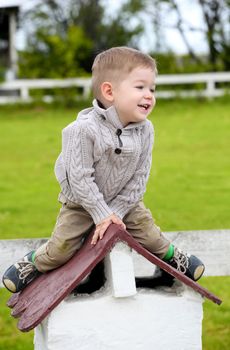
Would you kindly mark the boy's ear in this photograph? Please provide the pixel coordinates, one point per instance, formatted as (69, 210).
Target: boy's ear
(107, 91)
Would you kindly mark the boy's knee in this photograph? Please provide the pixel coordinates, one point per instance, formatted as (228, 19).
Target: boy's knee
(51, 256)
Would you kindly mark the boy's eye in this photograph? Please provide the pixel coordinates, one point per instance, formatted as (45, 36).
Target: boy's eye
(140, 87)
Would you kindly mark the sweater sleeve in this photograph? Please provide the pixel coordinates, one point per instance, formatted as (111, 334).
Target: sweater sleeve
(80, 174)
(135, 188)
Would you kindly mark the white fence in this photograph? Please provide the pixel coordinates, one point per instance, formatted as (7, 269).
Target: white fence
(211, 246)
(19, 90)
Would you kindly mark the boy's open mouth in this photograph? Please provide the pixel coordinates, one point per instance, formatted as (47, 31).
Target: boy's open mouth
(144, 106)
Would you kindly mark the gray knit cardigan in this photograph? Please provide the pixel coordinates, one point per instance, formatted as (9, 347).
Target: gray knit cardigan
(104, 166)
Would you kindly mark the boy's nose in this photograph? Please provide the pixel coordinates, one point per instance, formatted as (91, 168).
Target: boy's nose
(148, 95)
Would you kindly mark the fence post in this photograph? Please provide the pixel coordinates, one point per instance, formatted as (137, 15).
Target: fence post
(24, 93)
(211, 87)
(86, 91)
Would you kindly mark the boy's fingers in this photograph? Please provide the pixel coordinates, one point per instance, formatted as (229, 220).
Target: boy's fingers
(99, 232)
(95, 237)
(122, 224)
(102, 227)
(116, 221)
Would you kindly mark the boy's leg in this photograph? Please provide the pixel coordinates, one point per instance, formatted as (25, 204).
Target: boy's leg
(73, 224)
(140, 224)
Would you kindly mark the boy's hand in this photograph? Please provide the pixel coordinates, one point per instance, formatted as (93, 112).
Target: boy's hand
(103, 225)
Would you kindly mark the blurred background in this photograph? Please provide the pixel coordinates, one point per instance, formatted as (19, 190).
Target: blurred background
(59, 39)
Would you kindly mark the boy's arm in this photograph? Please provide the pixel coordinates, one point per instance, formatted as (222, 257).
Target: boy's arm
(80, 171)
(135, 188)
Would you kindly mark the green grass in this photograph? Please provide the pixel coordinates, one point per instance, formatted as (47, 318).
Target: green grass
(30, 143)
(11, 338)
(216, 322)
(189, 186)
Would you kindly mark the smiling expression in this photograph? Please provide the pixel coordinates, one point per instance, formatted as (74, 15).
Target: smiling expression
(134, 97)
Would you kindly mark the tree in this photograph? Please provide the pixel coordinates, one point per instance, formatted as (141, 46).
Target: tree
(215, 27)
(216, 14)
(53, 56)
(64, 38)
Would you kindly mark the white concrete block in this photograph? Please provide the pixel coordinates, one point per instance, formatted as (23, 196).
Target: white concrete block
(151, 320)
(121, 274)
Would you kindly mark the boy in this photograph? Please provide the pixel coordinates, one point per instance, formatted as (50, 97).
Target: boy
(103, 170)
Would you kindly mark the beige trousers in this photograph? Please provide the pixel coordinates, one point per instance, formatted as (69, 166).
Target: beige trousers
(74, 223)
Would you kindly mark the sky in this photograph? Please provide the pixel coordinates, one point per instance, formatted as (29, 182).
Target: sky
(189, 9)
(191, 13)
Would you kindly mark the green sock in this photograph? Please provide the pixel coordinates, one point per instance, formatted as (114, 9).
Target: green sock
(169, 253)
(33, 257)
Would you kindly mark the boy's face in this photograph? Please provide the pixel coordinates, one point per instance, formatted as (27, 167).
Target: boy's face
(134, 97)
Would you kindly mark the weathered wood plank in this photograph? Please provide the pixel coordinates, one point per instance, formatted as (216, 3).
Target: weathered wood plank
(35, 302)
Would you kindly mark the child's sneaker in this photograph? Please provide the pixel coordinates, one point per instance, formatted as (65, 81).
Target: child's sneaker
(189, 265)
(19, 275)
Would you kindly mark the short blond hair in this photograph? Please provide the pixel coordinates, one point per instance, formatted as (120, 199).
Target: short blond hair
(115, 63)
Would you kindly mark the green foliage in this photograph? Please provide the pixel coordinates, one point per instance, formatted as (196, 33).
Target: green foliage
(2, 73)
(224, 56)
(57, 56)
(165, 14)
(105, 31)
(66, 37)
(170, 63)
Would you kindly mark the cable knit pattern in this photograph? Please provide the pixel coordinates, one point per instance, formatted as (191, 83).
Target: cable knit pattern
(104, 172)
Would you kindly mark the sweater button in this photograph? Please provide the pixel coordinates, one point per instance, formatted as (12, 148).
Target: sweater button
(117, 151)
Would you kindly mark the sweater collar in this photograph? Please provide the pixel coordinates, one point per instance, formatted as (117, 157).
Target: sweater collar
(110, 114)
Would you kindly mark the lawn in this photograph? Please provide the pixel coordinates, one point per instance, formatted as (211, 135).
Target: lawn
(189, 186)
